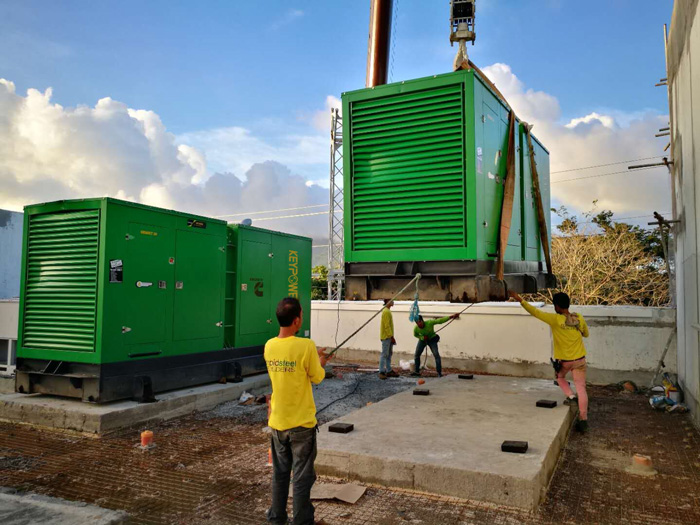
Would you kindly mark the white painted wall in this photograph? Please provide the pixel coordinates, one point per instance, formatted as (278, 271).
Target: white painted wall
(11, 224)
(624, 342)
(683, 59)
(9, 311)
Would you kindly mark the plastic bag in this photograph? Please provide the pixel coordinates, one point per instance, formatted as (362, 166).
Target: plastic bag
(414, 313)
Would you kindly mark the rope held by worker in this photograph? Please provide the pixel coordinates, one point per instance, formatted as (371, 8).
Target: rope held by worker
(416, 279)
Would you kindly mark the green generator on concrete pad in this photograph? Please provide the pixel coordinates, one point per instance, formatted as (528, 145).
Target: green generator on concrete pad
(424, 168)
(121, 300)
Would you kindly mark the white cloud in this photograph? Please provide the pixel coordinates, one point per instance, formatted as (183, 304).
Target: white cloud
(322, 119)
(606, 120)
(592, 140)
(290, 16)
(236, 148)
(48, 152)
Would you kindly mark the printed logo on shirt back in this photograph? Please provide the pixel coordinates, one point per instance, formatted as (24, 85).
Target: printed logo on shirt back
(281, 365)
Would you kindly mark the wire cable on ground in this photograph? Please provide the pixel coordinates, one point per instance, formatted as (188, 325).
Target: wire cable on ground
(357, 384)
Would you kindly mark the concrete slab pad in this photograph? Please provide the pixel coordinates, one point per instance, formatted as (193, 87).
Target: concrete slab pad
(449, 442)
(73, 414)
(34, 509)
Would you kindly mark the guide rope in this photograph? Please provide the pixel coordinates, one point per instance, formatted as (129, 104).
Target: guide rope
(415, 279)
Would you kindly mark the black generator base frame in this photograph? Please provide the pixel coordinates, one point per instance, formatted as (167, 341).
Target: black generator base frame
(453, 281)
(139, 380)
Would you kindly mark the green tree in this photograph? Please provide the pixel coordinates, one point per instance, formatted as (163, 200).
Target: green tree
(319, 282)
(602, 261)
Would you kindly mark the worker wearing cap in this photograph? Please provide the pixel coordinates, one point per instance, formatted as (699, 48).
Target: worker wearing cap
(386, 336)
(568, 331)
(293, 363)
(424, 331)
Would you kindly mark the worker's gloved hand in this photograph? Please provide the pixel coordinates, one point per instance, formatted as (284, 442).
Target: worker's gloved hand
(454, 316)
(393, 341)
(323, 357)
(514, 295)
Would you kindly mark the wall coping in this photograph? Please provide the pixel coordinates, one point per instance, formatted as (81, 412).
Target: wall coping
(500, 308)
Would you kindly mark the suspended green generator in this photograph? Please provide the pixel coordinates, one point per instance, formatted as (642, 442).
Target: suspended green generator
(427, 190)
(120, 300)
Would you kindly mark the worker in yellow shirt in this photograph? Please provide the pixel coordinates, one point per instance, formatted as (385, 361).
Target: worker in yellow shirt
(568, 331)
(386, 336)
(293, 364)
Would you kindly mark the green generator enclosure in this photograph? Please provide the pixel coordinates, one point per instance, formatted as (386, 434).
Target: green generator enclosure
(424, 168)
(121, 300)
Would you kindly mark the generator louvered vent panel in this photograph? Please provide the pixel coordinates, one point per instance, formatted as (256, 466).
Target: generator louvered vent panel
(60, 299)
(408, 170)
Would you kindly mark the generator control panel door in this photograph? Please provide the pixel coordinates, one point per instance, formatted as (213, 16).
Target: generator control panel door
(146, 265)
(199, 265)
(255, 290)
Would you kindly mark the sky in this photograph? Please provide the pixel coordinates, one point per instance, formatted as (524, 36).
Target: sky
(221, 107)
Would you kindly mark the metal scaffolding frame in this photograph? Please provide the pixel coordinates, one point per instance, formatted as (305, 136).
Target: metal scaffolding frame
(336, 261)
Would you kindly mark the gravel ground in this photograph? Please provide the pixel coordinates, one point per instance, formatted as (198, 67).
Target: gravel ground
(335, 397)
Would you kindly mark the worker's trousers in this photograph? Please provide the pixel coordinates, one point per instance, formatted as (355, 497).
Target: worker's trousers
(293, 450)
(433, 344)
(578, 370)
(385, 357)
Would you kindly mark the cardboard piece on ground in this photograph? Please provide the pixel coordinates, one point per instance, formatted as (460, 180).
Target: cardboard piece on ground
(349, 493)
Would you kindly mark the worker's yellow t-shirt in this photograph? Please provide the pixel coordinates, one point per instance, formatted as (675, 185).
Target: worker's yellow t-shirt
(293, 364)
(386, 330)
(568, 340)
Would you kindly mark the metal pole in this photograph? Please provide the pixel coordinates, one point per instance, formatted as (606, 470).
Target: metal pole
(379, 42)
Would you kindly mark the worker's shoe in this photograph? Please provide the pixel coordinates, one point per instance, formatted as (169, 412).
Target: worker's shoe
(391, 373)
(582, 425)
(415, 374)
(571, 401)
(382, 376)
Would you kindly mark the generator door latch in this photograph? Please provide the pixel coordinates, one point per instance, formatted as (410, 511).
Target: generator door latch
(222, 249)
(269, 321)
(270, 255)
(220, 324)
(178, 285)
(126, 329)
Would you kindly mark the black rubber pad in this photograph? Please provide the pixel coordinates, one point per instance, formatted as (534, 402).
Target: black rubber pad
(519, 447)
(421, 392)
(341, 428)
(466, 376)
(546, 403)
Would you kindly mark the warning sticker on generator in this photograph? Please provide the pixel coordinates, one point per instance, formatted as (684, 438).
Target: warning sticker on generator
(116, 271)
(194, 223)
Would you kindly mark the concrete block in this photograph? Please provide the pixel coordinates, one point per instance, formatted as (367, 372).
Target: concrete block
(518, 447)
(341, 428)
